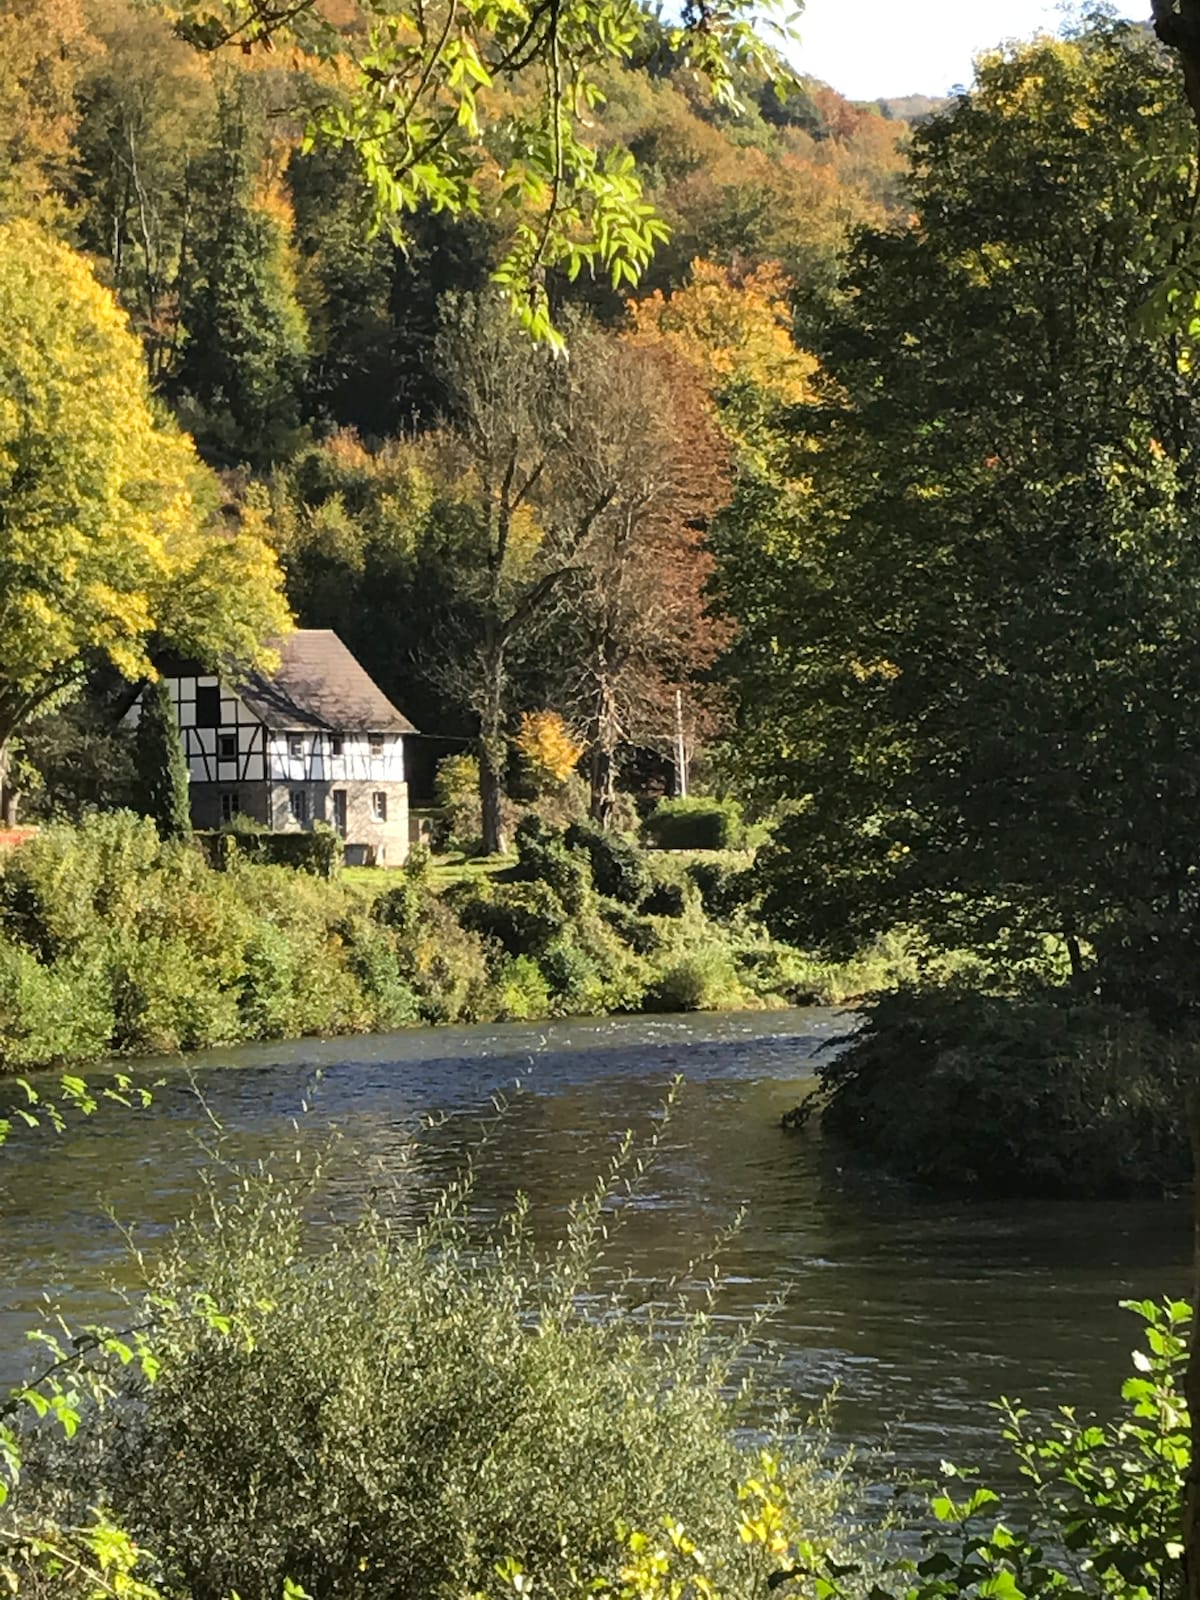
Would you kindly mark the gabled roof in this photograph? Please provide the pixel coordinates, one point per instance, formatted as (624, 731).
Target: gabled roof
(319, 684)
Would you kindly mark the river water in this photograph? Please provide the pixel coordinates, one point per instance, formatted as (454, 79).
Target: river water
(918, 1309)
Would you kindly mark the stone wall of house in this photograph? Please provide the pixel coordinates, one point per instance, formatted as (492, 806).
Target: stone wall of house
(215, 804)
(295, 807)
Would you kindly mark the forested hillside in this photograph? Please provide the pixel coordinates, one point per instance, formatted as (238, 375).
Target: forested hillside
(320, 368)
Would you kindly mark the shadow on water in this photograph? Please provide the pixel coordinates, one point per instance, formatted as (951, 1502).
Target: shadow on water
(921, 1310)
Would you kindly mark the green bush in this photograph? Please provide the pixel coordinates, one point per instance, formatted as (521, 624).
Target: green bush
(724, 890)
(380, 1410)
(521, 917)
(1040, 1094)
(1102, 1512)
(703, 980)
(665, 900)
(618, 869)
(319, 851)
(638, 932)
(543, 856)
(695, 824)
(523, 991)
(51, 1014)
(456, 789)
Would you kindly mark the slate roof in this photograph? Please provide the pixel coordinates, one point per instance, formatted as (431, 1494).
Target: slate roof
(319, 684)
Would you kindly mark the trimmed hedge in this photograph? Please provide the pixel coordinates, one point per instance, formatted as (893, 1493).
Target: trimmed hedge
(695, 824)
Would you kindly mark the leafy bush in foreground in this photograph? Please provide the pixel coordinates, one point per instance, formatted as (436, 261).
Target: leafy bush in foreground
(383, 1410)
(1102, 1513)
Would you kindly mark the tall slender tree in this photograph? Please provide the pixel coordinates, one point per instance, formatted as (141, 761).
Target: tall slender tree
(161, 766)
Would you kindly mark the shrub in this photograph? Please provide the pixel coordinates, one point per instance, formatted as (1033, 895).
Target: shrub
(521, 917)
(456, 789)
(319, 851)
(1102, 1514)
(1038, 1094)
(703, 980)
(543, 857)
(524, 993)
(383, 1409)
(575, 980)
(695, 824)
(639, 933)
(665, 900)
(372, 960)
(618, 870)
(50, 1014)
(724, 890)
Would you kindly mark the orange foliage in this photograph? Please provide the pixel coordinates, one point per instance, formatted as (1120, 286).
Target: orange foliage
(731, 327)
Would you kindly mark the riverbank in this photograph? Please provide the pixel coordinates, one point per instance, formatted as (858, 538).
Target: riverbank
(116, 943)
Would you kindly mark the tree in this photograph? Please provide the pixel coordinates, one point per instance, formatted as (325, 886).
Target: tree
(108, 542)
(431, 122)
(644, 447)
(512, 564)
(162, 770)
(984, 632)
(245, 334)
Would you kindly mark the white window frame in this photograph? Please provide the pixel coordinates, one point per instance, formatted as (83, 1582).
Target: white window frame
(379, 805)
(298, 807)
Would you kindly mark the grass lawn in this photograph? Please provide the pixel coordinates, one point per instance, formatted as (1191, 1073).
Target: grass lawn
(445, 871)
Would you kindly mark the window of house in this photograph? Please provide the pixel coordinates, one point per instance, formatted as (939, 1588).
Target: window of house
(230, 806)
(208, 707)
(379, 806)
(375, 741)
(296, 745)
(227, 746)
(298, 805)
(335, 744)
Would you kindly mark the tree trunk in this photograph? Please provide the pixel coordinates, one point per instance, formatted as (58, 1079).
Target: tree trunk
(8, 795)
(1191, 1382)
(491, 795)
(603, 785)
(602, 743)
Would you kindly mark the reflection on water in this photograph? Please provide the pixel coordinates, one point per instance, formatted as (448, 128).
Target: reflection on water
(919, 1309)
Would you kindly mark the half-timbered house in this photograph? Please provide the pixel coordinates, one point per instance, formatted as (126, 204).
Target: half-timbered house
(317, 741)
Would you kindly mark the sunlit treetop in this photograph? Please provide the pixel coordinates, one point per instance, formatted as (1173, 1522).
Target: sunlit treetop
(422, 113)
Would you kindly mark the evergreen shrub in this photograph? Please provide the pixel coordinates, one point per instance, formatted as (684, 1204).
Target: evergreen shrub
(319, 851)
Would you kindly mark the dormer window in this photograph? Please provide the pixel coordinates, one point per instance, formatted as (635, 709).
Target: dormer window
(375, 743)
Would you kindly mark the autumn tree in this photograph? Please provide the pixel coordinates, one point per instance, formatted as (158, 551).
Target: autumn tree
(645, 448)
(108, 542)
(429, 118)
(240, 373)
(147, 110)
(44, 48)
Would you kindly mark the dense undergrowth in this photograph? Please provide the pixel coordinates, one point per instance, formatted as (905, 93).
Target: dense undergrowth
(370, 1408)
(116, 942)
(1039, 1093)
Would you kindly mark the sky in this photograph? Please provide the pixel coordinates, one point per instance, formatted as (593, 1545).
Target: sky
(869, 48)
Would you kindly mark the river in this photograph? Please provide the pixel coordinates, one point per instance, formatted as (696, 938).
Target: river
(919, 1310)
